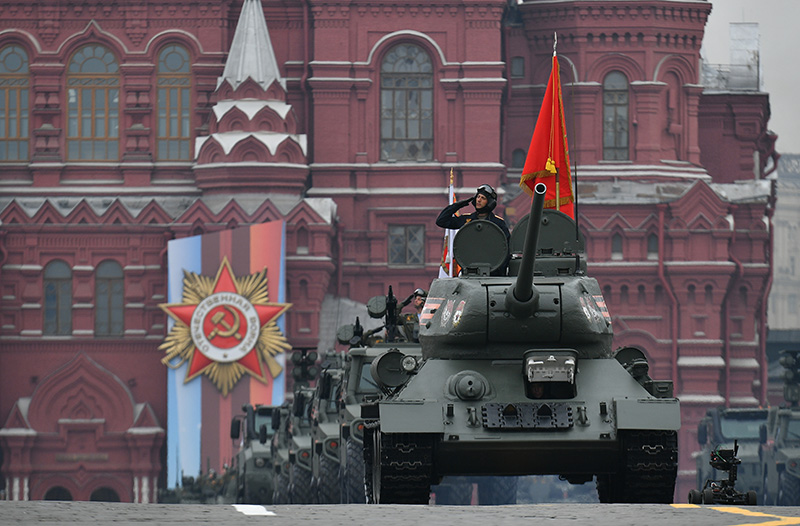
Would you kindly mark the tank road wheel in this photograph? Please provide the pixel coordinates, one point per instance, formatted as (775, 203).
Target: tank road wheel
(300, 488)
(647, 469)
(328, 482)
(708, 496)
(497, 491)
(353, 474)
(280, 495)
(402, 467)
(695, 497)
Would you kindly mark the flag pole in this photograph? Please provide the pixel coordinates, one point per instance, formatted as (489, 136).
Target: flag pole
(553, 110)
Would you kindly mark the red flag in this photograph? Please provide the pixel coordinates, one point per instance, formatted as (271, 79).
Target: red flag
(548, 155)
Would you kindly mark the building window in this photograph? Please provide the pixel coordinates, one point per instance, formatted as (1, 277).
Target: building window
(652, 246)
(517, 67)
(616, 247)
(109, 291)
(93, 105)
(518, 158)
(407, 104)
(57, 298)
(407, 244)
(615, 117)
(13, 104)
(174, 108)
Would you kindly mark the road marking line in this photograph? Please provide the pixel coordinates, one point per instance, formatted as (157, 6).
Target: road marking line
(252, 509)
(748, 513)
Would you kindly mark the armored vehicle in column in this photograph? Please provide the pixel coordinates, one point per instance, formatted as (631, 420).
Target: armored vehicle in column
(780, 440)
(719, 429)
(517, 376)
(358, 386)
(325, 439)
(279, 450)
(300, 447)
(253, 468)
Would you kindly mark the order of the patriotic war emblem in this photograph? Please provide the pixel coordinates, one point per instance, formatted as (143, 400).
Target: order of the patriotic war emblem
(225, 327)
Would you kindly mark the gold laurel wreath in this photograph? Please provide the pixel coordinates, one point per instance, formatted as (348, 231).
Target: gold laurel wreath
(178, 344)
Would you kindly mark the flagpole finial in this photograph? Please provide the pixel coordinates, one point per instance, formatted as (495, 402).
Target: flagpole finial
(555, 42)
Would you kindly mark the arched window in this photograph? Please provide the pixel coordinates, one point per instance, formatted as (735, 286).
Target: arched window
(616, 247)
(641, 297)
(518, 158)
(109, 291)
(93, 105)
(57, 298)
(13, 104)
(58, 493)
(407, 104)
(302, 241)
(104, 494)
(174, 106)
(652, 246)
(615, 117)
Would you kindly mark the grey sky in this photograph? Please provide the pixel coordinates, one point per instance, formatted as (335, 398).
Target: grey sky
(779, 30)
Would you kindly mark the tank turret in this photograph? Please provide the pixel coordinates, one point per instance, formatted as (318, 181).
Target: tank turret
(545, 301)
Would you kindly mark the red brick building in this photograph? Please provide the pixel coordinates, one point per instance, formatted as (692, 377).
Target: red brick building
(126, 124)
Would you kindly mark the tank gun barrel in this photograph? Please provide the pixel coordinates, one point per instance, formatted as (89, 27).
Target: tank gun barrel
(523, 299)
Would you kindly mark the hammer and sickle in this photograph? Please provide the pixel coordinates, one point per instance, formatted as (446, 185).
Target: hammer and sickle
(230, 330)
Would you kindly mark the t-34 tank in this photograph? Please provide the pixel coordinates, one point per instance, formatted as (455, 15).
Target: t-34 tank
(518, 377)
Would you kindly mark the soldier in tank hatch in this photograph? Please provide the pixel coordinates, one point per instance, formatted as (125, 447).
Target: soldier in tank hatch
(484, 201)
(409, 320)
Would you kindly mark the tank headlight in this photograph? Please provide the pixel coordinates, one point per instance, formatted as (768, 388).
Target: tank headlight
(260, 462)
(409, 363)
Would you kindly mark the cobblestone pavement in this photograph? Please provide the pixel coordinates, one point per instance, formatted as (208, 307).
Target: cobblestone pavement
(69, 513)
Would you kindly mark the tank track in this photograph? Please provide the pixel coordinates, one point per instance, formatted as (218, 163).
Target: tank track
(398, 467)
(647, 470)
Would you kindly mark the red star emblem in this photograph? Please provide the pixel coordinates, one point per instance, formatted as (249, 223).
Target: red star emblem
(225, 326)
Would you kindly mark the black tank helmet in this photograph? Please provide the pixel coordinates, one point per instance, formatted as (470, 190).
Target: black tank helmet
(491, 197)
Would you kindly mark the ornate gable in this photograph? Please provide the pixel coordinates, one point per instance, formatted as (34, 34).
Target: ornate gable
(81, 390)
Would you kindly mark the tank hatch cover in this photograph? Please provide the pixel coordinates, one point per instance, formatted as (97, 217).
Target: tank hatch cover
(557, 235)
(480, 245)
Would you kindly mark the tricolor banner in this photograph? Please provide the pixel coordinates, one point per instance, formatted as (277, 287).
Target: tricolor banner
(225, 346)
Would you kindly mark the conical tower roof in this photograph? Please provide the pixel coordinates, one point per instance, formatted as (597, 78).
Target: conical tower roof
(251, 53)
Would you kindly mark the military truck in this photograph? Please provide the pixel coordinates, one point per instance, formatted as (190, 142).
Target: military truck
(325, 436)
(253, 463)
(517, 376)
(780, 441)
(718, 429)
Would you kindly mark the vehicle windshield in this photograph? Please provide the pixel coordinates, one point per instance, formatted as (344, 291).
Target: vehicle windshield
(740, 428)
(793, 430)
(264, 419)
(365, 384)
